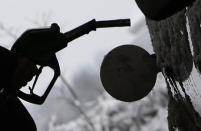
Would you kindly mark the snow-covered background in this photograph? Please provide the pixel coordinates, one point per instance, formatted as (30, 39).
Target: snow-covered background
(78, 102)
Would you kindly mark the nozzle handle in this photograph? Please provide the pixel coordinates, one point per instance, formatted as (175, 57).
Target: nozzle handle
(34, 98)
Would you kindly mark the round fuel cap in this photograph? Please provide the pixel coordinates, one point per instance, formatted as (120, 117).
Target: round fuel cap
(128, 73)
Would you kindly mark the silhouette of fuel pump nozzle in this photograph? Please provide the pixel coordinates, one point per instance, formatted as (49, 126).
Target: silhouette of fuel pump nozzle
(41, 45)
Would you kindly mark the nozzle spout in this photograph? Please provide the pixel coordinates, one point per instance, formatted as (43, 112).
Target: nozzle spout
(92, 25)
